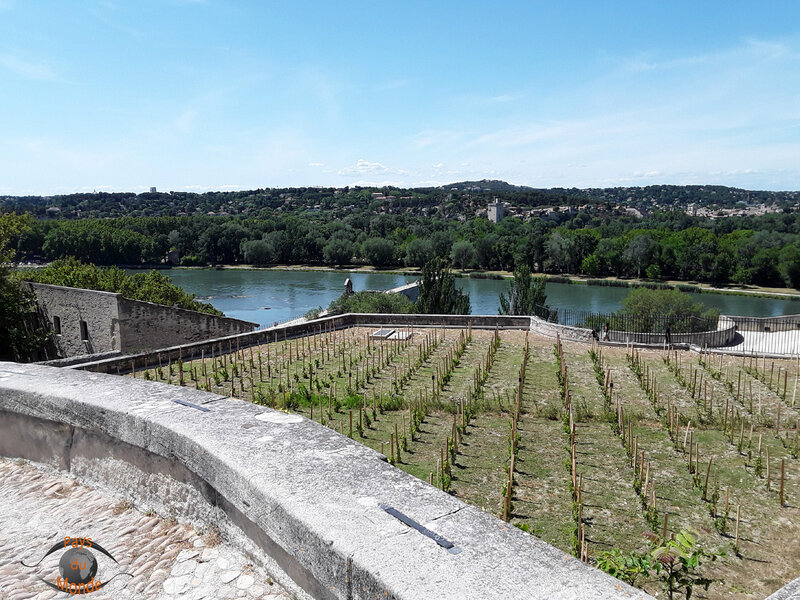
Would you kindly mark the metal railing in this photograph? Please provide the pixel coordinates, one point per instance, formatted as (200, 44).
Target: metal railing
(768, 335)
(652, 323)
(753, 335)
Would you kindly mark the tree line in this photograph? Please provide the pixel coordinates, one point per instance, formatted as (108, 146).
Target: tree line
(759, 250)
(456, 199)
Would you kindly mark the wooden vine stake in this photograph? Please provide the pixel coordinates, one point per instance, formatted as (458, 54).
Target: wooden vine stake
(768, 468)
(783, 473)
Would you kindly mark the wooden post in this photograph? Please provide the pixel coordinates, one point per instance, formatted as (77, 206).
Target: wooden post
(783, 473)
(686, 435)
(785, 381)
(736, 532)
(708, 472)
(741, 435)
(768, 468)
(738, 385)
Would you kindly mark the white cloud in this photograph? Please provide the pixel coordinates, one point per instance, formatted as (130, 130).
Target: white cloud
(379, 183)
(316, 164)
(27, 69)
(364, 166)
(184, 123)
(391, 85)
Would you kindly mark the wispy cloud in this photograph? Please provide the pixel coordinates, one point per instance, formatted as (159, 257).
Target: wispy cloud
(388, 86)
(742, 54)
(363, 166)
(36, 71)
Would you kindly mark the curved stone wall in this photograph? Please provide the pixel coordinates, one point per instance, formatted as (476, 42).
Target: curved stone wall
(306, 497)
(723, 336)
(767, 324)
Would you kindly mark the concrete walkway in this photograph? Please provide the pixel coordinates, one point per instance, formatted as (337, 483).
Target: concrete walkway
(760, 342)
(168, 560)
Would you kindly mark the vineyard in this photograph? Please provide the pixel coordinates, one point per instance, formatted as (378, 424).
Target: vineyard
(588, 448)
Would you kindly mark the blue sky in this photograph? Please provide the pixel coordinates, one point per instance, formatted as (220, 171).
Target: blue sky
(224, 94)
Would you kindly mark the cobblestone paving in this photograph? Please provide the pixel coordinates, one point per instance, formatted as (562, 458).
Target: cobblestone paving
(167, 560)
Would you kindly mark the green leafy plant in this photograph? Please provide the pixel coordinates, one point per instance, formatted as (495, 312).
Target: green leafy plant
(676, 562)
(628, 567)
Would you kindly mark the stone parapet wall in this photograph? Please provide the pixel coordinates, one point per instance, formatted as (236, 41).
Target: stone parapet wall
(99, 311)
(450, 321)
(172, 353)
(308, 498)
(549, 329)
(97, 322)
(145, 325)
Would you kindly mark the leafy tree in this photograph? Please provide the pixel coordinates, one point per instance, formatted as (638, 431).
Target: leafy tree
(652, 310)
(258, 252)
(371, 302)
(12, 226)
(438, 293)
(524, 294)
(378, 251)
(418, 252)
(639, 252)
(21, 338)
(609, 257)
(338, 252)
(529, 249)
(174, 239)
(584, 242)
(441, 243)
(790, 265)
(463, 255)
(485, 251)
(591, 265)
(653, 272)
(151, 286)
(561, 250)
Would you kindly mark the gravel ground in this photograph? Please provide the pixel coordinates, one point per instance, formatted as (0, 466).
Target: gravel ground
(167, 560)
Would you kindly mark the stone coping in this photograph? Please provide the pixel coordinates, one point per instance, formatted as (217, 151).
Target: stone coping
(314, 496)
(291, 330)
(178, 309)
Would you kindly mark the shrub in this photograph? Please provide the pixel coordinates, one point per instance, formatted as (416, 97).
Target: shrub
(371, 302)
(151, 286)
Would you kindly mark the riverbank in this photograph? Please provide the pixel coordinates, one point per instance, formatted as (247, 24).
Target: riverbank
(693, 287)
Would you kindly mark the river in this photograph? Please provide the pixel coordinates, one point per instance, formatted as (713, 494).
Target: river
(266, 297)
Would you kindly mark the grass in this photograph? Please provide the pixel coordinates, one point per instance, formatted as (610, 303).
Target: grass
(389, 380)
